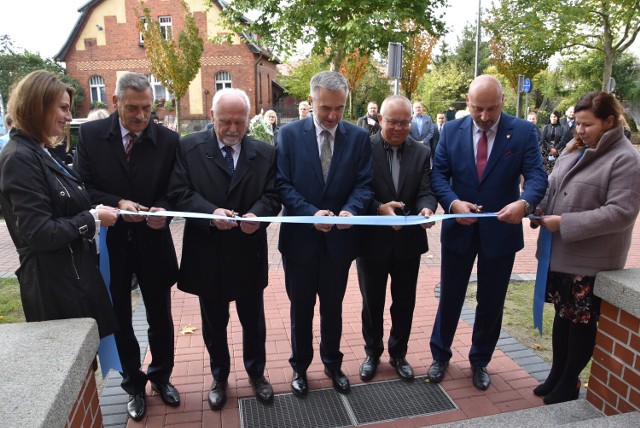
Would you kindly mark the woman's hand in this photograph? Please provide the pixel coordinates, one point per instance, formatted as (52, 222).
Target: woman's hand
(107, 215)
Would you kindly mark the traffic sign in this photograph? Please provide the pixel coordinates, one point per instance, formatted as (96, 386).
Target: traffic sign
(526, 85)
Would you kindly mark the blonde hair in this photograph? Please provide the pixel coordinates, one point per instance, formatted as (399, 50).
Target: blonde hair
(32, 103)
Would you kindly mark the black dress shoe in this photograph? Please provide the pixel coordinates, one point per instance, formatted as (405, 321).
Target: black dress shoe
(218, 395)
(402, 367)
(299, 385)
(137, 406)
(339, 380)
(168, 393)
(481, 378)
(436, 371)
(368, 368)
(263, 389)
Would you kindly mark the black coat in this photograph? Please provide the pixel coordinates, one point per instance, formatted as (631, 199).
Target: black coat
(44, 208)
(101, 162)
(225, 264)
(379, 242)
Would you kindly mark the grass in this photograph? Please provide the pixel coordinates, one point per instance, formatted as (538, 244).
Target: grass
(10, 303)
(518, 320)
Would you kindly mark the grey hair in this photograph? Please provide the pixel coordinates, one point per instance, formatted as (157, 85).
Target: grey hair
(395, 99)
(331, 80)
(234, 92)
(130, 80)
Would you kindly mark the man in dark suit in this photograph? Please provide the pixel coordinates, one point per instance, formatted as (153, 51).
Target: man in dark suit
(369, 121)
(421, 125)
(478, 165)
(569, 124)
(402, 185)
(324, 166)
(125, 161)
(227, 173)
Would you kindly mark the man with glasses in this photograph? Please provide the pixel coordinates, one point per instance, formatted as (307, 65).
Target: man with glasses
(402, 186)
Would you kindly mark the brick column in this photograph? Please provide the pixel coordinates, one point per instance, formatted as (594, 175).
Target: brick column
(86, 411)
(614, 385)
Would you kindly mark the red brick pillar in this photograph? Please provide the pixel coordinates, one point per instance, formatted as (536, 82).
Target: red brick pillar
(614, 385)
(86, 410)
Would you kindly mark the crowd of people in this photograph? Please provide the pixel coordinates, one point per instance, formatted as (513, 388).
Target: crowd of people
(396, 161)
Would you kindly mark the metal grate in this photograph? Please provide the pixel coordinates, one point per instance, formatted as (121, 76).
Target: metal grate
(319, 409)
(366, 404)
(384, 401)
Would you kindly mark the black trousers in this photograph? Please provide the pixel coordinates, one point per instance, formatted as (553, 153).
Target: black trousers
(161, 336)
(372, 277)
(326, 279)
(215, 318)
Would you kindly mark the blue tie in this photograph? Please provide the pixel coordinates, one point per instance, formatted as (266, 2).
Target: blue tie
(228, 158)
(544, 258)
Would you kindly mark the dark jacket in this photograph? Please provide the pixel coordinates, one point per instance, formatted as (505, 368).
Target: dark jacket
(101, 162)
(226, 264)
(364, 124)
(379, 242)
(46, 209)
(553, 134)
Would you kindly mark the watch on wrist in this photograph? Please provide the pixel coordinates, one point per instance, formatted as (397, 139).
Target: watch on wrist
(528, 208)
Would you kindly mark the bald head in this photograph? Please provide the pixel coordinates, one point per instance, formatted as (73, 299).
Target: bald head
(485, 100)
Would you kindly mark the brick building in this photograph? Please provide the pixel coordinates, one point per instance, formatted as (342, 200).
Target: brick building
(105, 42)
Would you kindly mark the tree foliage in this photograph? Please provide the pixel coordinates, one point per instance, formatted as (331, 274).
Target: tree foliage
(512, 54)
(335, 26)
(416, 57)
(609, 27)
(174, 63)
(14, 66)
(353, 68)
(374, 86)
(297, 81)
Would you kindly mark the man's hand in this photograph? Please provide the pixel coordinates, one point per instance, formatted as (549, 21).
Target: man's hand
(464, 207)
(249, 227)
(344, 214)
(390, 209)
(320, 226)
(127, 205)
(512, 213)
(426, 212)
(156, 222)
(551, 222)
(370, 121)
(224, 224)
(107, 215)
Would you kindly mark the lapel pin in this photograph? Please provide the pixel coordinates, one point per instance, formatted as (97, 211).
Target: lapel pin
(508, 136)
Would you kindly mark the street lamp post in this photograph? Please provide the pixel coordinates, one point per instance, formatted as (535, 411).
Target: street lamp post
(478, 30)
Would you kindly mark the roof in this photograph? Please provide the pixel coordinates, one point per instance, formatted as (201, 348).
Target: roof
(86, 9)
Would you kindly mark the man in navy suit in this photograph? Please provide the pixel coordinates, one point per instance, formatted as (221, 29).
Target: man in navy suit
(323, 167)
(478, 164)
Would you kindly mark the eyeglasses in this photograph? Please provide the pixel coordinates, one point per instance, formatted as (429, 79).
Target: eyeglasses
(397, 123)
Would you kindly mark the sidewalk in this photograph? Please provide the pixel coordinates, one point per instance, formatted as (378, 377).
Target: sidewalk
(511, 387)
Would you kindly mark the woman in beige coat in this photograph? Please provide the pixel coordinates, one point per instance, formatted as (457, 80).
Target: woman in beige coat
(591, 206)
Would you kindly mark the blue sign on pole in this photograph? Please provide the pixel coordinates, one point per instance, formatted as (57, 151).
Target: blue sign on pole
(526, 85)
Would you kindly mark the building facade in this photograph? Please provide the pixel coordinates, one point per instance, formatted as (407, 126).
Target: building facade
(106, 42)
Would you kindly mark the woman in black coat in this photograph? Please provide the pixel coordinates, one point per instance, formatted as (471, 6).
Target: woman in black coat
(48, 212)
(551, 141)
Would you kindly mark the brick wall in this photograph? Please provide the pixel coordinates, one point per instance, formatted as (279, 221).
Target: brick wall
(614, 385)
(86, 411)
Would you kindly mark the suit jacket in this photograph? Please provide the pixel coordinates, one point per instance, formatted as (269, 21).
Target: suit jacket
(414, 190)
(427, 129)
(568, 132)
(303, 191)
(225, 264)
(108, 177)
(515, 152)
(363, 123)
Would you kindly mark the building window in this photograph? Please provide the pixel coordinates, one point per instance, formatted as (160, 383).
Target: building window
(165, 27)
(98, 91)
(223, 80)
(144, 22)
(160, 93)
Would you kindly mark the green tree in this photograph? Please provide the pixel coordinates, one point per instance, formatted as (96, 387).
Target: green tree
(415, 61)
(374, 86)
(446, 83)
(333, 27)
(464, 54)
(14, 66)
(297, 80)
(511, 54)
(175, 64)
(354, 68)
(608, 27)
